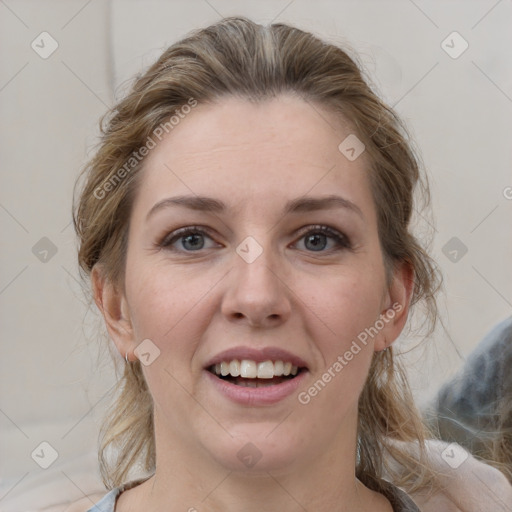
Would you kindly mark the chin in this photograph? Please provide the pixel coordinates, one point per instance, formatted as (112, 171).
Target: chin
(257, 449)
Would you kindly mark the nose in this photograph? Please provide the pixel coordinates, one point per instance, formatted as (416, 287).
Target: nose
(257, 294)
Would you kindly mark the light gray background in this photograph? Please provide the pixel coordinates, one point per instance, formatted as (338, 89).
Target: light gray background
(53, 388)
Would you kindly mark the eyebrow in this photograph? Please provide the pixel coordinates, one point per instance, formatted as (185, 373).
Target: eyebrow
(299, 205)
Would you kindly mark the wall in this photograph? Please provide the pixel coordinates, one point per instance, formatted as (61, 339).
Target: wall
(54, 379)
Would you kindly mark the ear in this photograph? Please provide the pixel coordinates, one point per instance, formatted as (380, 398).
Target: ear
(396, 305)
(114, 307)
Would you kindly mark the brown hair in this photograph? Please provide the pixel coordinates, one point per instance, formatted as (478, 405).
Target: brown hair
(237, 57)
(493, 444)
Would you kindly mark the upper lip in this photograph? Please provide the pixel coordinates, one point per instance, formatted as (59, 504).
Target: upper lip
(257, 355)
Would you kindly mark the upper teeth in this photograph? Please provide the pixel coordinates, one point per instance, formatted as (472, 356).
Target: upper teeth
(251, 369)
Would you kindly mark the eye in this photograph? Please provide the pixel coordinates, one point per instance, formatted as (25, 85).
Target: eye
(189, 239)
(318, 238)
(315, 238)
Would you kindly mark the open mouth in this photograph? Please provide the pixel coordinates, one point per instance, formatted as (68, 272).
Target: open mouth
(250, 374)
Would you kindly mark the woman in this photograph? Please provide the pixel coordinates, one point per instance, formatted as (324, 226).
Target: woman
(245, 226)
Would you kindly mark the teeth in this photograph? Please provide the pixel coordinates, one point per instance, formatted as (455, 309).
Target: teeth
(234, 368)
(251, 370)
(266, 370)
(278, 368)
(249, 384)
(224, 368)
(248, 369)
(255, 383)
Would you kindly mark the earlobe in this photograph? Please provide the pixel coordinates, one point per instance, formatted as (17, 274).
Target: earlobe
(114, 308)
(396, 305)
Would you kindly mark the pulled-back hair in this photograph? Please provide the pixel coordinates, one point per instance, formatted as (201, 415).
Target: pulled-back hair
(237, 57)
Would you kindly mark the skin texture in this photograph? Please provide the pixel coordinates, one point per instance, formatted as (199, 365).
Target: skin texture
(195, 304)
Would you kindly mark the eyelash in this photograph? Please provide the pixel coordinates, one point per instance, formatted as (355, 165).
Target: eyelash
(342, 241)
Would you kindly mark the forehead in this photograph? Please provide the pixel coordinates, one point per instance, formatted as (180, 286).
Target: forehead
(244, 153)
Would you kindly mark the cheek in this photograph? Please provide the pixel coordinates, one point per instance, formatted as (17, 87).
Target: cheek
(167, 306)
(347, 306)
(350, 303)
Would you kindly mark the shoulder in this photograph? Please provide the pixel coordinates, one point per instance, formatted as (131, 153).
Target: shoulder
(465, 483)
(109, 499)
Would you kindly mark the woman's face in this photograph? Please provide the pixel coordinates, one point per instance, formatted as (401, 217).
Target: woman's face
(270, 270)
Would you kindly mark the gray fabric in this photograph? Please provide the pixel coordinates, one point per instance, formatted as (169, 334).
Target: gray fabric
(107, 503)
(466, 408)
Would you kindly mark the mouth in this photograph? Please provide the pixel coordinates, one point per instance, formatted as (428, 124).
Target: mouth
(251, 374)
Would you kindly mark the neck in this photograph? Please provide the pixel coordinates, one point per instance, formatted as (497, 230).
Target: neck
(230, 493)
(192, 482)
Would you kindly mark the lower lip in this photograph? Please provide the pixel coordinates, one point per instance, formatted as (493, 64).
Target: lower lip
(267, 395)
